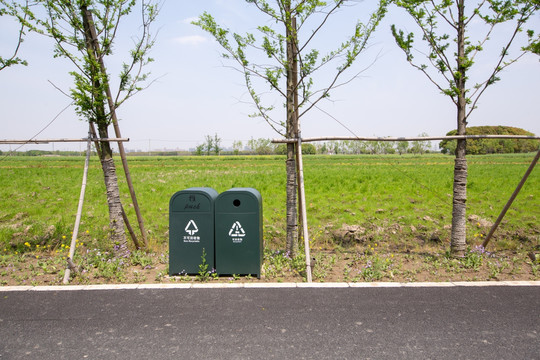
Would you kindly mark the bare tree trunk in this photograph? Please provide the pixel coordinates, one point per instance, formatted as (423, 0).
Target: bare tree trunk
(458, 236)
(116, 219)
(292, 213)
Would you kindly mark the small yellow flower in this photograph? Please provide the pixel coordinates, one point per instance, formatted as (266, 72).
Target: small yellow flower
(376, 245)
(88, 232)
(64, 237)
(37, 256)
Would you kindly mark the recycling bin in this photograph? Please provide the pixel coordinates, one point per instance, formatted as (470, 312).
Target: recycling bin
(191, 229)
(239, 232)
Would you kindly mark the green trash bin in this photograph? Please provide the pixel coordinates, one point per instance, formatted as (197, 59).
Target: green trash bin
(239, 232)
(191, 229)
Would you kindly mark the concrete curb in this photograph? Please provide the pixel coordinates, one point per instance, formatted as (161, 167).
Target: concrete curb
(255, 285)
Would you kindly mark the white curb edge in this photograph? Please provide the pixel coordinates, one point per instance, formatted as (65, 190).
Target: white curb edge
(262, 285)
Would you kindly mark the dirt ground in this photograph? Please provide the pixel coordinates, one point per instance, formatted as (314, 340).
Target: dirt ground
(344, 265)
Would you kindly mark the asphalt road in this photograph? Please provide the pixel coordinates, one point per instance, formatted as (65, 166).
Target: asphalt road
(498, 322)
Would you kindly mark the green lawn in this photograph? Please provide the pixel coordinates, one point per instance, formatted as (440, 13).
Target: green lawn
(400, 206)
(372, 191)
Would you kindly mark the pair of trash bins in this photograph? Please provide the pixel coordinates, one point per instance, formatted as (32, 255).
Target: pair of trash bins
(227, 226)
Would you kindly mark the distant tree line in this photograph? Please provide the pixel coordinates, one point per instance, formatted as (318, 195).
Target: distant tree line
(263, 146)
(492, 146)
(42, 153)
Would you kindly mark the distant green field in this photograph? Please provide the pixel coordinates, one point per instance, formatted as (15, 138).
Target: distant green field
(384, 192)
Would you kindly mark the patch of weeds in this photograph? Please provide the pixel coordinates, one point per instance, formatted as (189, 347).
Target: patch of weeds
(160, 276)
(278, 263)
(106, 265)
(473, 258)
(496, 268)
(516, 268)
(275, 262)
(112, 269)
(204, 275)
(47, 267)
(534, 270)
(347, 273)
(163, 258)
(322, 263)
(141, 258)
(138, 277)
(375, 268)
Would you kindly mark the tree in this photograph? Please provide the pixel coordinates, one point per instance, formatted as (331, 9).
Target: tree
(199, 150)
(492, 146)
(8, 8)
(237, 147)
(290, 68)
(217, 145)
(387, 147)
(261, 146)
(87, 43)
(309, 149)
(420, 147)
(208, 145)
(402, 147)
(450, 59)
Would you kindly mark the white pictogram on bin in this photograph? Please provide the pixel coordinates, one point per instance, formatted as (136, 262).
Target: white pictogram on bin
(191, 228)
(237, 230)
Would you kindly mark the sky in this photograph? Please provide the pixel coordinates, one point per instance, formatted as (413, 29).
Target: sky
(196, 93)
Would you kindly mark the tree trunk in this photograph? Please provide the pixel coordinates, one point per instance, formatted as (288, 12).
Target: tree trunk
(292, 213)
(116, 219)
(292, 218)
(458, 237)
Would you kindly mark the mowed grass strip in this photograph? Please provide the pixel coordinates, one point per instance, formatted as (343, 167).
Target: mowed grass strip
(394, 197)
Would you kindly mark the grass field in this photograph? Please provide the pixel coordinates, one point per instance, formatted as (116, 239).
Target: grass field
(401, 204)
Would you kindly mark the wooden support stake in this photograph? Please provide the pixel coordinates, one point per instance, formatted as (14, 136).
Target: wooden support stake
(304, 214)
(511, 200)
(73, 245)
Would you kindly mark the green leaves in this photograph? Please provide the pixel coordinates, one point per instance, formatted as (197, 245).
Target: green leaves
(534, 43)
(294, 25)
(69, 23)
(405, 42)
(448, 62)
(10, 9)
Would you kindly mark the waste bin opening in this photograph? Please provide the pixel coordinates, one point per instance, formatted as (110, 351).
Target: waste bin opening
(236, 202)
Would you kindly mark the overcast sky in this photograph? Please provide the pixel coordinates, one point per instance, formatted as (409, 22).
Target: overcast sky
(196, 93)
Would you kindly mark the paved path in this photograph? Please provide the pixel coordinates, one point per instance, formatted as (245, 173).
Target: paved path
(443, 322)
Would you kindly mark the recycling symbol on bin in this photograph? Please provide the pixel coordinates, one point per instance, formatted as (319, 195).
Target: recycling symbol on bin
(237, 230)
(191, 228)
